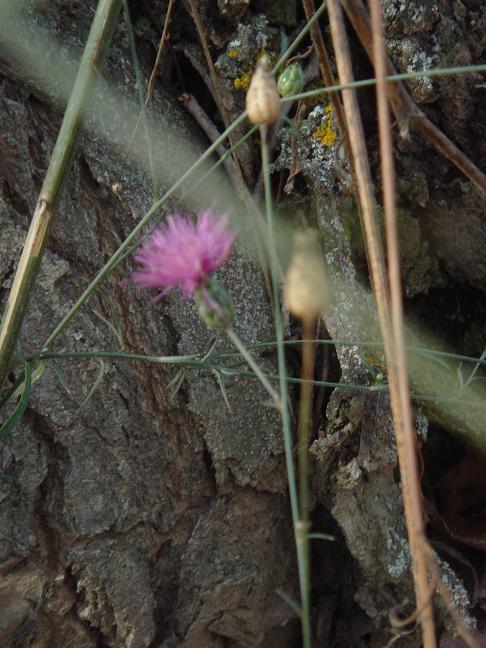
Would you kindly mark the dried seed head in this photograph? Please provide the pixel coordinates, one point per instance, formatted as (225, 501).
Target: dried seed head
(262, 99)
(306, 289)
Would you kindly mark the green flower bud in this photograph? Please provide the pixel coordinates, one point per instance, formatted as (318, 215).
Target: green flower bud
(291, 81)
(214, 305)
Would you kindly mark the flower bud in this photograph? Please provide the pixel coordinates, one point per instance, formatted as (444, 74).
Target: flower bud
(291, 81)
(214, 305)
(306, 288)
(262, 99)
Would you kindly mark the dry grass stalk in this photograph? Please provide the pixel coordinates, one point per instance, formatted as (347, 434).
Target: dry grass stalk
(153, 74)
(410, 474)
(405, 437)
(160, 51)
(406, 111)
(326, 71)
(212, 72)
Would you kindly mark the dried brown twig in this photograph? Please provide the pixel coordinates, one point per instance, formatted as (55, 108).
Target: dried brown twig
(192, 106)
(405, 110)
(405, 432)
(160, 51)
(405, 437)
(153, 74)
(326, 73)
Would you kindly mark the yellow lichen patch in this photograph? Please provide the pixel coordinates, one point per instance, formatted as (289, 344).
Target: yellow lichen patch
(326, 133)
(243, 81)
(232, 53)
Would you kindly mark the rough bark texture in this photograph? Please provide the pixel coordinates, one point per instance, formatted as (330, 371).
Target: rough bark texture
(140, 520)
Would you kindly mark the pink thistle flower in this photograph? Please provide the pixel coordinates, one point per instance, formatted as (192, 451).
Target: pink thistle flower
(183, 253)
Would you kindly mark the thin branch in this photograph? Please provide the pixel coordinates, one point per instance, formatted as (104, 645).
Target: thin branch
(405, 110)
(406, 442)
(190, 104)
(153, 74)
(160, 51)
(214, 77)
(326, 73)
(408, 462)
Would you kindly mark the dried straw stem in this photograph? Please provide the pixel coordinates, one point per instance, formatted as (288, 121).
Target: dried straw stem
(405, 437)
(160, 51)
(410, 475)
(406, 111)
(326, 71)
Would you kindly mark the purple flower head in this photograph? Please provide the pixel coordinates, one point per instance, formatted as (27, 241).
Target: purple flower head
(183, 253)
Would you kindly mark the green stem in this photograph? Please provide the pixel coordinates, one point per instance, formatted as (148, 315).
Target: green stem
(282, 372)
(252, 363)
(192, 361)
(404, 76)
(30, 260)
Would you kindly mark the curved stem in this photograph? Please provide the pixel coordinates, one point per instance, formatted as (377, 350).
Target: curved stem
(230, 332)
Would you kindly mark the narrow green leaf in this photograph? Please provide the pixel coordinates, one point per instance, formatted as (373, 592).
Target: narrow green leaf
(96, 384)
(21, 406)
(291, 602)
(176, 383)
(60, 375)
(321, 536)
(222, 387)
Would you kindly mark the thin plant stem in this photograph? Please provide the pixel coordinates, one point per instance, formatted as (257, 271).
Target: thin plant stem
(366, 343)
(193, 361)
(160, 51)
(396, 77)
(409, 469)
(143, 111)
(282, 372)
(326, 73)
(406, 447)
(230, 332)
(44, 214)
(305, 415)
(153, 74)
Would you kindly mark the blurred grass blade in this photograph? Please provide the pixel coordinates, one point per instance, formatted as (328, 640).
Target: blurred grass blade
(96, 384)
(60, 375)
(291, 602)
(321, 536)
(475, 370)
(222, 387)
(88, 72)
(21, 406)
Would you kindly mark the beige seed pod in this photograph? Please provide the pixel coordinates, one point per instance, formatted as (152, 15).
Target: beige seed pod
(306, 287)
(262, 98)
